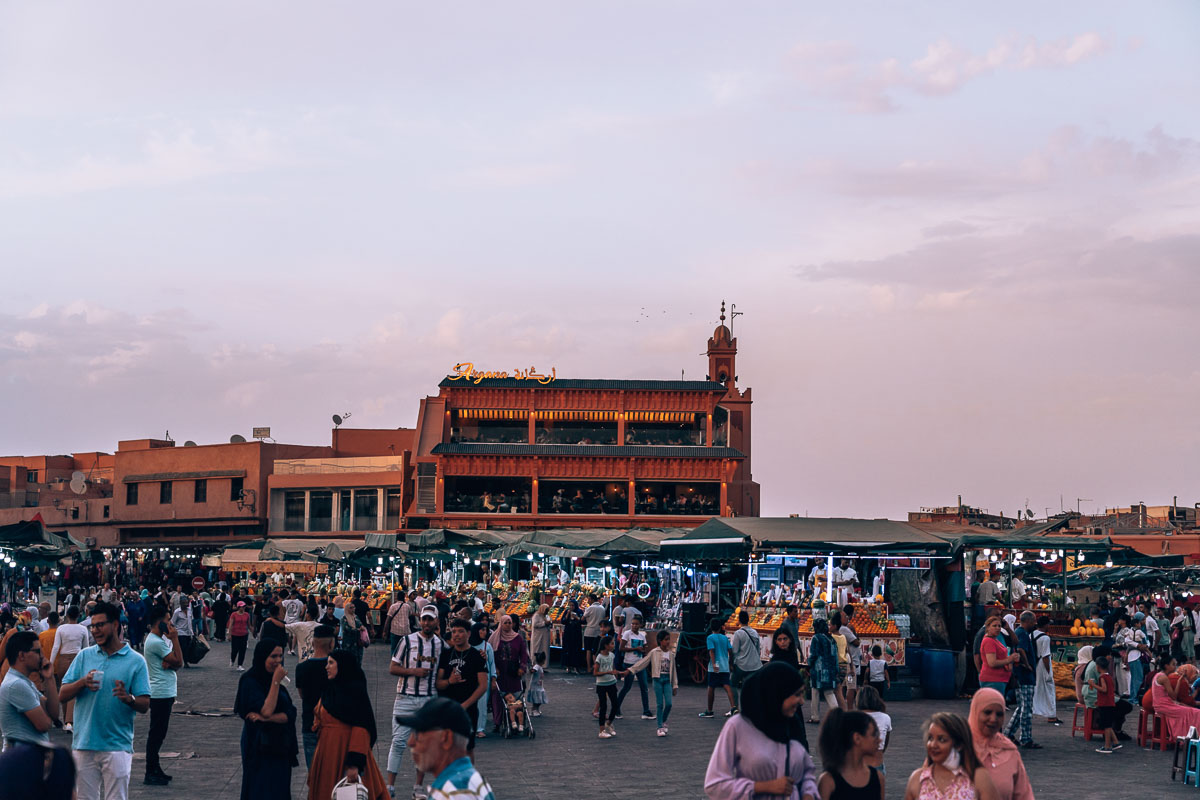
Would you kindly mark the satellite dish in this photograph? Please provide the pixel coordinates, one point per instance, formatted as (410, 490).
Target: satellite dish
(78, 476)
(337, 419)
(189, 443)
(78, 485)
(237, 438)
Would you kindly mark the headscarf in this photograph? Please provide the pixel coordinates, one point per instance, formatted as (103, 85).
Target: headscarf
(256, 674)
(763, 694)
(499, 635)
(345, 697)
(1189, 673)
(1083, 655)
(539, 616)
(477, 631)
(1178, 618)
(1011, 621)
(992, 749)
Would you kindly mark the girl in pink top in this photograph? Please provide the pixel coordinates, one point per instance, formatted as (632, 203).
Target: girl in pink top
(951, 770)
(996, 752)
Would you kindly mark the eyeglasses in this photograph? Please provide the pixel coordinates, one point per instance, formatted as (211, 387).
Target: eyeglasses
(99, 624)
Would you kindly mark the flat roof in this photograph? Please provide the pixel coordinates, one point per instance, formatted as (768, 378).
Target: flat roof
(585, 384)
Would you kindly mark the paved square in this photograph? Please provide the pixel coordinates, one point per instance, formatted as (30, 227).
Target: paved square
(567, 760)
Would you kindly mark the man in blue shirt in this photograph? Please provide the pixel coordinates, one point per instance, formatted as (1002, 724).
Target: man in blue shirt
(1020, 726)
(441, 731)
(163, 657)
(25, 715)
(109, 683)
(718, 667)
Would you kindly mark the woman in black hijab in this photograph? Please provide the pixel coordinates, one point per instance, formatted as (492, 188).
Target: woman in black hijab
(345, 720)
(763, 741)
(783, 648)
(269, 744)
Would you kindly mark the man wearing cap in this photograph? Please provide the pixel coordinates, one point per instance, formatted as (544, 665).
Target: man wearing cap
(441, 731)
(416, 662)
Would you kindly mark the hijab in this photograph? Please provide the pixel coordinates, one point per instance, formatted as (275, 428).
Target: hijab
(789, 654)
(539, 617)
(499, 635)
(257, 674)
(763, 694)
(1176, 620)
(345, 697)
(992, 749)
(477, 631)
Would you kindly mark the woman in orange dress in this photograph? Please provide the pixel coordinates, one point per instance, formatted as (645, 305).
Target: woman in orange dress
(345, 722)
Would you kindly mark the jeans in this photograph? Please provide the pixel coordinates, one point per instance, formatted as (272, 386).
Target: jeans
(997, 685)
(102, 774)
(482, 705)
(160, 718)
(310, 747)
(641, 682)
(607, 694)
(1136, 671)
(736, 679)
(405, 705)
(662, 699)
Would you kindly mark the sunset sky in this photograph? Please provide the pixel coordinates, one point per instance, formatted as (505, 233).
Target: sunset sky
(965, 239)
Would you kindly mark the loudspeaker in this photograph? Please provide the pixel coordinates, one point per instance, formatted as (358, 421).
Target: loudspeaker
(694, 617)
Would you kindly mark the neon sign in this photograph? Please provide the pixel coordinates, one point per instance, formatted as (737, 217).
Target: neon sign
(466, 372)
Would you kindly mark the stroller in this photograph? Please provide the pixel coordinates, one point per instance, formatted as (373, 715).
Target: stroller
(518, 709)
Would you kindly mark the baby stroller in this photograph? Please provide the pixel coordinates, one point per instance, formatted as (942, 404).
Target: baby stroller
(516, 708)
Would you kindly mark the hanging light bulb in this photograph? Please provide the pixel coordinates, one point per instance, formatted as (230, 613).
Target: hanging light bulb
(1043, 552)
(987, 551)
(1108, 563)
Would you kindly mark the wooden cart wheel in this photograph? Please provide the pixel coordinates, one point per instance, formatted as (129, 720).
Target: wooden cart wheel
(700, 666)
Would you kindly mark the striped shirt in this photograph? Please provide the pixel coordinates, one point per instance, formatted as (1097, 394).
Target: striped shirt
(416, 652)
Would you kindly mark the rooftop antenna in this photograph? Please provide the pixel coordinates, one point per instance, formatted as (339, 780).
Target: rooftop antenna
(1079, 501)
(338, 419)
(733, 314)
(167, 436)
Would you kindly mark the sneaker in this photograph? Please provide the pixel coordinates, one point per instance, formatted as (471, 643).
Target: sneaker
(660, 732)
(666, 729)
(605, 734)
(68, 727)
(420, 793)
(1117, 746)
(648, 715)
(391, 791)
(1107, 751)
(611, 730)
(155, 779)
(618, 716)
(706, 714)
(241, 669)
(1123, 736)
(731, 711)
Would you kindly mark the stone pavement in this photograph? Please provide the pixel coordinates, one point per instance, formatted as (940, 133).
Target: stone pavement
(567, 760)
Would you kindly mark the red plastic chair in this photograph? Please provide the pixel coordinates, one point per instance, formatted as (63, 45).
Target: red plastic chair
(1086, 727)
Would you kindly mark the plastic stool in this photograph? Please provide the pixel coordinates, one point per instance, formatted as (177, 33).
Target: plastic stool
(1191, 769)
(1182, 745)
(1086, 727)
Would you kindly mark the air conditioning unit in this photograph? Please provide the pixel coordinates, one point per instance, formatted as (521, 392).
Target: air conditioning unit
(90, 542)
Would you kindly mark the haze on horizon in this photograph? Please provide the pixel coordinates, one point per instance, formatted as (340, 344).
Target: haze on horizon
(964, 239)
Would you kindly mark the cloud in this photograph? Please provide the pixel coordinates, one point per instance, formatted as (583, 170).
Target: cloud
(949, 229)
(507, 176)
(838, 70)
(160, 158)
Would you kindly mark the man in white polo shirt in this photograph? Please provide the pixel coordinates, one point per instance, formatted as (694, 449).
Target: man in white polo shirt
(416, 662)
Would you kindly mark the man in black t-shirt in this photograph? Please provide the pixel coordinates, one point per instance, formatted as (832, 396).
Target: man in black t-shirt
(310, 682)
(462, 674)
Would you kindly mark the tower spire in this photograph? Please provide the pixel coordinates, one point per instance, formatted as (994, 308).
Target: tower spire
(722, 312)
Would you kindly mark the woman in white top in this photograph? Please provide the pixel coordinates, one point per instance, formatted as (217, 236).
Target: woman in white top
(69, 639)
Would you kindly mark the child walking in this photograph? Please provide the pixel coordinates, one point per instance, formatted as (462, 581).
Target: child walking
(847, 740)
(606, 686)
(877, 674)
(537, 689)
(1105, 705)
(662, 674)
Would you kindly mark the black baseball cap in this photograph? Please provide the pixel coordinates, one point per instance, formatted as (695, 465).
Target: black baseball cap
(440, 713)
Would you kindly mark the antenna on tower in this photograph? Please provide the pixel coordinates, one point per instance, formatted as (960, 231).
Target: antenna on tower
(733, 314)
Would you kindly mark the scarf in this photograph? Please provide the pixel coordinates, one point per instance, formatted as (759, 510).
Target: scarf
(345, 697)
(256, 674)
(539, 618)
(499, 635)
(763, 694)
(1178, 618)
(992, 749)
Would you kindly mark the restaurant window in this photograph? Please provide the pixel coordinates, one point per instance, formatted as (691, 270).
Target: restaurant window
(665, 428)
(74, 512)
(583, 497)
(164, 492)
(489, 425)
(131, 494)
(320, 511)
(200, 491)
(293, 511)
(488, 495)
(366, 509)
(394, 499)
(344, 500)
(235, 488)
(576, 427)
(691, 499)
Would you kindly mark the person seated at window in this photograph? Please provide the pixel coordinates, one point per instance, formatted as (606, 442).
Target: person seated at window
(559, 503)
(502, 505)
(488, 503)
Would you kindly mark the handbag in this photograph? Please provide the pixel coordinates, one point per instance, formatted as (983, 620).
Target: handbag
(364, 638)
(344, 790)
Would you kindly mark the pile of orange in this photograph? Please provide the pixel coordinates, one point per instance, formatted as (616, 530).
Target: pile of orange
(1081, 628)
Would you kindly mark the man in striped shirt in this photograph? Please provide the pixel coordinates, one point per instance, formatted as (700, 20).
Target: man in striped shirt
(416, 662)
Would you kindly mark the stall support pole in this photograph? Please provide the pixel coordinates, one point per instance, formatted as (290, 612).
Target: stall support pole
(829, 582)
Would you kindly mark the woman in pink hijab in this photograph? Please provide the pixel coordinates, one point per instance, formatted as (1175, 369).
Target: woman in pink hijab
(996, 751)
(512, 662)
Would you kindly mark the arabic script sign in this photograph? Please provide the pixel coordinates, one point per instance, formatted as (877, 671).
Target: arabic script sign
(467, 372)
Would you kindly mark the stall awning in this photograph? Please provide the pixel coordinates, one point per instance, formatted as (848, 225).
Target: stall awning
(821, 535)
